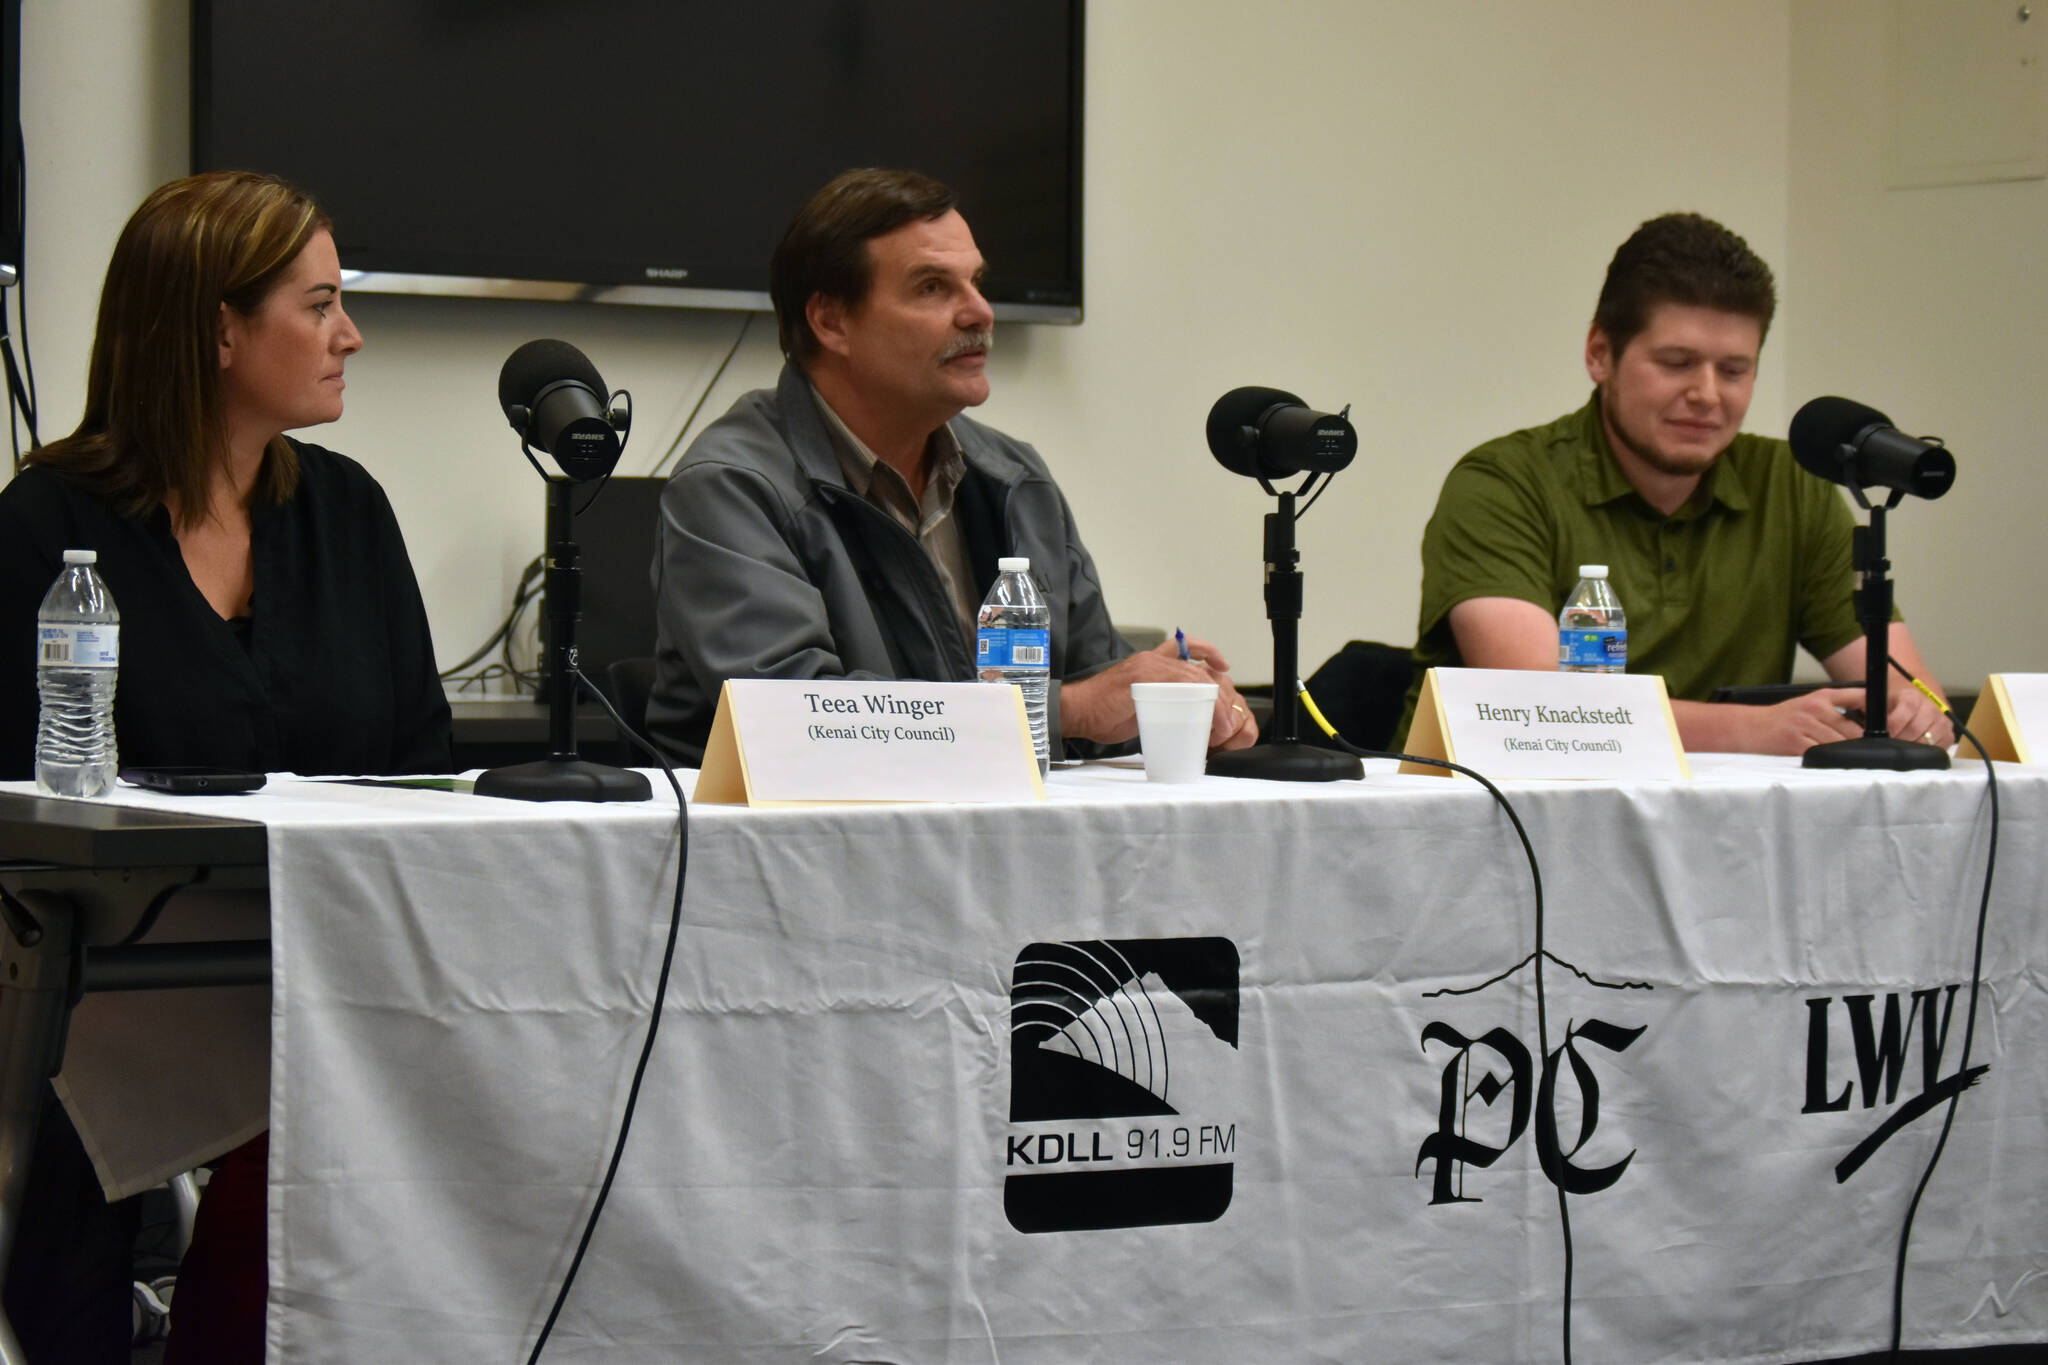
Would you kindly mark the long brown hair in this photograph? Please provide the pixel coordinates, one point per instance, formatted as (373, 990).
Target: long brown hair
(155, 429)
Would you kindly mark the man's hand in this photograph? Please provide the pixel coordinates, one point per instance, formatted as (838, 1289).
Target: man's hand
(1907, 714)
(1790, 727)
(1099, 707)
(1912, 716)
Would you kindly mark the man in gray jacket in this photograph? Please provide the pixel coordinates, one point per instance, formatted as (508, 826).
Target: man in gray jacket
(847, 524)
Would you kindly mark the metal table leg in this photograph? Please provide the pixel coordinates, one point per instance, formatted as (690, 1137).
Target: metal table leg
(35, 983)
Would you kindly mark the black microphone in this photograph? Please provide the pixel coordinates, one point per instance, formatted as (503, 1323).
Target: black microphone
(554, 399)
(1845, 442)
(1270, 434)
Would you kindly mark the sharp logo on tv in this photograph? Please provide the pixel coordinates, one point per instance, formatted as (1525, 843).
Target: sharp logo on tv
(1123, 1084)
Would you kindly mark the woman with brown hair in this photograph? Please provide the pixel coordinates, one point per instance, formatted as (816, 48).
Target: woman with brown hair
(270, 619)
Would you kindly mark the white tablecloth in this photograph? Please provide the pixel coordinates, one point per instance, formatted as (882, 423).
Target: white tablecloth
(1322, 995)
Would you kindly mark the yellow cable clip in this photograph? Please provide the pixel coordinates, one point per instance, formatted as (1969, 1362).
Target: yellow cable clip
(1314, 713)
(1928, 693)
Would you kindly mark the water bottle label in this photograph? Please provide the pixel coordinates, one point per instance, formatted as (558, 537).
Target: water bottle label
(1004, 648)
(1592, 649)
(78, 646)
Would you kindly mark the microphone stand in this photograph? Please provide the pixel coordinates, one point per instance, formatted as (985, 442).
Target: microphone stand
(1283, 757)
(563, 775)
(1876, 748)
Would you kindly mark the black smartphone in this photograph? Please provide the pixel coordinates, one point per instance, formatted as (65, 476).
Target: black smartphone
(194, 781)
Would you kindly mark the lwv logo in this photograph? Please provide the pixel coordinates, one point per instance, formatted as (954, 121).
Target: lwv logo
(1883, 1042)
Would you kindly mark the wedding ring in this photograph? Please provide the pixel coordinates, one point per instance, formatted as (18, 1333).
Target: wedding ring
(1927, 738)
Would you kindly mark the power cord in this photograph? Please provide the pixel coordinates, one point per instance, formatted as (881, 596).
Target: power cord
(1536, 958)
(21, 378)
(1964, 1076)
(675, 446)
(1969, 1020)
(522, 596)
(668, 957)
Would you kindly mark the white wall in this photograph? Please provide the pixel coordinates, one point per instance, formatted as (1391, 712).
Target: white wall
(1400, 204)
(1927, 303)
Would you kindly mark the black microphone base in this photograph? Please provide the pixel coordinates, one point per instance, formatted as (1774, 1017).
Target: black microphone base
(564, 779)
(1286, 762)
(1876, 751)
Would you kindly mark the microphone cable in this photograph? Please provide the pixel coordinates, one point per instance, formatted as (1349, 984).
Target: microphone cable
(668, 957)
(521, 595)
(625, 437)
(675, 446)
(1536, 958)
(1963, 1079)
(21, 378)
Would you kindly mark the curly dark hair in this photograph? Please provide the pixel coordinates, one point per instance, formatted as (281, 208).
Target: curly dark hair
(1682, 258)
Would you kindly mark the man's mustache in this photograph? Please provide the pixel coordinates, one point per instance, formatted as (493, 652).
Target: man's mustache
(983, 340)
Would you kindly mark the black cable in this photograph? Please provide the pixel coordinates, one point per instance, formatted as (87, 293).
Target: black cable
(13, 408)
(622, 421)
(520, 597)
(21, 394)
(595, 490)
(17, 410)
(624, 436)
(668, 957)
(1969, 1023)
(28, 356)
(1536, 960)
(481, 679)
(716, 375)
(1302, 511)
(532, 588)
(521, 677)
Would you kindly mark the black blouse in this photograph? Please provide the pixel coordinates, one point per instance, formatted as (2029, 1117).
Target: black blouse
(335, 675)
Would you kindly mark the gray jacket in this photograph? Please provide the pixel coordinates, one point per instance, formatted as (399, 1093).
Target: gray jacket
(768, 566)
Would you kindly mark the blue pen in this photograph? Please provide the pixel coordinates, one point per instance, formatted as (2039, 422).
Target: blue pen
(1180, 642)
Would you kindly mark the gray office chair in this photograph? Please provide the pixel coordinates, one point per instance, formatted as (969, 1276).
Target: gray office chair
(629, 682)
(1362, 688)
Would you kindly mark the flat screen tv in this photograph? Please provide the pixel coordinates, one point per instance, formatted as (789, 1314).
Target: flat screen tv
(645, 151)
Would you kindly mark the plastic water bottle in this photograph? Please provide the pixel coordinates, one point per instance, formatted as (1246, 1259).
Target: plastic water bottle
(78, 651)
(1592, 630)
(1013, 643)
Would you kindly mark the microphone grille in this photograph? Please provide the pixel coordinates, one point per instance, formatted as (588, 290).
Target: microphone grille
(1824, 425)
(1231, 414)
(538, 364)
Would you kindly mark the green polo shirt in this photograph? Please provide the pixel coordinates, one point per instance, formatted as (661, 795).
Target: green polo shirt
(1718, 593)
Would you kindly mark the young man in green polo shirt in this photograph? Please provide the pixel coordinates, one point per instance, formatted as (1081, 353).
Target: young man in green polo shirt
(1725, 554)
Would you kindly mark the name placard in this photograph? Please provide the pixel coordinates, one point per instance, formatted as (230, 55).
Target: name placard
(1508, 723)
(2011, 708)
(793, 742)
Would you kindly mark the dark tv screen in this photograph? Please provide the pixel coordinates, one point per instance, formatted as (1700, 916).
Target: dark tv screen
(645, 151)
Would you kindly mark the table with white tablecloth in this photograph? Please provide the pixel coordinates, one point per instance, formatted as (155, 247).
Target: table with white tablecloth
(1226, 1072)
